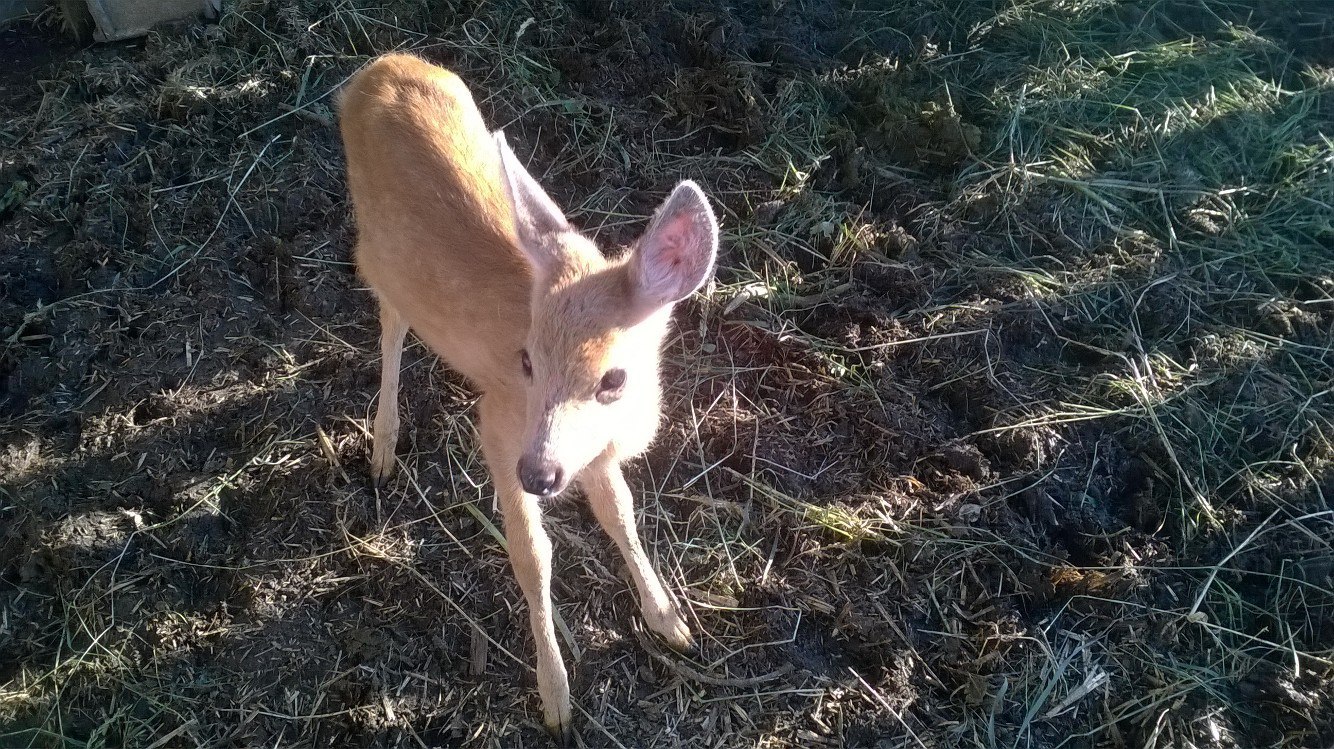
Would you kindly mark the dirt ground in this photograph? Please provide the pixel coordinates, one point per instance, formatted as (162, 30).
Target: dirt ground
(1006, 422)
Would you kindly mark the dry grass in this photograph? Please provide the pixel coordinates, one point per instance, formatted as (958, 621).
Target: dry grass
(1007, 421)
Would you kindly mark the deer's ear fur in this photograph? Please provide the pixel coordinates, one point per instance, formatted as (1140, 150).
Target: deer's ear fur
(538, 221)
(677, 251)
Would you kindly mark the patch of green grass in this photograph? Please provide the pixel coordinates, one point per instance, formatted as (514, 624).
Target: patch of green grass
(1165, 199)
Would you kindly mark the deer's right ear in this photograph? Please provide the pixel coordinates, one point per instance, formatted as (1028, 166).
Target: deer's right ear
(538, 221)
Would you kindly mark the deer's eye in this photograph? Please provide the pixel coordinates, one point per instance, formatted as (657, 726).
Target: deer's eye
(611, 386)
(527, 364)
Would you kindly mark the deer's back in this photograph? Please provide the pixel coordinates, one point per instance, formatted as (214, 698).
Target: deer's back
(435, 230)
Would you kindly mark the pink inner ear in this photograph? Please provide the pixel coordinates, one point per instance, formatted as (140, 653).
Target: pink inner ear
(677, 250)
(673, 244)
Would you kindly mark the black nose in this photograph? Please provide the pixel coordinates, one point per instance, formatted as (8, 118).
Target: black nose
(540, 477)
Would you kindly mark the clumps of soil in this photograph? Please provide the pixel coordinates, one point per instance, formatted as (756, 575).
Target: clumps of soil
(77, 545)
(961, 458)
(724, 97)
(905, 120)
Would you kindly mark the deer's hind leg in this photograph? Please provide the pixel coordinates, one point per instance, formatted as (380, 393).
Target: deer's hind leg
(384, 434)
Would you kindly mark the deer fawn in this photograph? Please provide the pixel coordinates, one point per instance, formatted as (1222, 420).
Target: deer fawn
(460, 244)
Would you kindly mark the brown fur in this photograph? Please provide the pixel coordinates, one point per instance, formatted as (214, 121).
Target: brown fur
(450, 252)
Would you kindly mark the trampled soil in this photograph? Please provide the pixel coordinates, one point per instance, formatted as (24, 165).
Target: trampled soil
(849, 493)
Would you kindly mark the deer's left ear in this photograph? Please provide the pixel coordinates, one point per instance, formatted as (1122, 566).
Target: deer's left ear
(538, 221)
(677, 252)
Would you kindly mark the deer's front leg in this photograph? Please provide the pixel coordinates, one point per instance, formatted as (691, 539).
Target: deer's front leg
(530, 558)
(613, 505)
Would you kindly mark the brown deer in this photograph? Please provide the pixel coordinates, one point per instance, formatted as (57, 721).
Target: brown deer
(461, 245)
